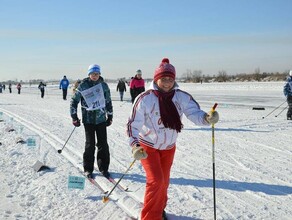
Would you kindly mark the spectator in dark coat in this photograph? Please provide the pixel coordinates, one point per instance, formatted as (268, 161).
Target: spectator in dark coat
(121, 87)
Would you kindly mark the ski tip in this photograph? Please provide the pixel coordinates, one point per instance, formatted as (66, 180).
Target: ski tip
(105, 199)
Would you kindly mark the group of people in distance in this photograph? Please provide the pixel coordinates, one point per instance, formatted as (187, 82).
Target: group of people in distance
(18, 87)
(64, 84)
(137, 86)
(152, 128)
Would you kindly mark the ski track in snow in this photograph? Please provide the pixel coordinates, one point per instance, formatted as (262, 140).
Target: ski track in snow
(253, 160)
(123, 202)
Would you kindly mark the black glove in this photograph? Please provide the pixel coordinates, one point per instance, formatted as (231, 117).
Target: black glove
(109, 120)
(76, 123)
(75, 120)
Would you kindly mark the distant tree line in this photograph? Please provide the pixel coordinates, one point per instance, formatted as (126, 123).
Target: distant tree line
(31, 82)
(193, 76)
(196, 76)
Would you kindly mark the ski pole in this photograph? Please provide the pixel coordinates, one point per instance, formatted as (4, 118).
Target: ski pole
(60, 151)
(213, 162)
(282, 111)
(274, 110)
(106, 198)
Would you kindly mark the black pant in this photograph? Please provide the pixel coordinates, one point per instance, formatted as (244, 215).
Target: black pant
(42, 93)
(132, 93)
(121, 95)
(289, 101)
(64, 94)
(103, 155)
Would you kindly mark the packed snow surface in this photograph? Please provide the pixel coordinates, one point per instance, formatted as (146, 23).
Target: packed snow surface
(253, 158)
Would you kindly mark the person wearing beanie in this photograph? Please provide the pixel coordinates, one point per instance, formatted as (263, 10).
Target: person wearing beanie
(97, 114)
(153, 127)
(64, 84)
(288, 94)
(137, 85)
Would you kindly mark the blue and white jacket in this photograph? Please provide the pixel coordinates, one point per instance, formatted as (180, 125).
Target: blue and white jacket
(144, 124)
(288, 87)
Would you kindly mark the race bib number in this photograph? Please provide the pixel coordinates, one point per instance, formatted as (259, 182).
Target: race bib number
(94, 97)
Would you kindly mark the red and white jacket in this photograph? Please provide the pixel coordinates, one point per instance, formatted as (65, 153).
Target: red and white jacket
(145, 125)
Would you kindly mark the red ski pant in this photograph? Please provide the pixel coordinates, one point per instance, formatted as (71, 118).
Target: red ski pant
(157, 167)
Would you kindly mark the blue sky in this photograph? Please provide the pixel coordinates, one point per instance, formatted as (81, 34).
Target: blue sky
(46, 39)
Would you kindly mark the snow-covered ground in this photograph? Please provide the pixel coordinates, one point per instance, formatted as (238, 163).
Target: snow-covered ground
(253, 158)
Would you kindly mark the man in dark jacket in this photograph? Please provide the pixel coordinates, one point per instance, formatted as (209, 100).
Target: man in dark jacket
(97, 113)
(121, 87)
(42, 89)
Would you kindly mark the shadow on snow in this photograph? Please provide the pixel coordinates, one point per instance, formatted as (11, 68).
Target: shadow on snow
(222, 129)
(269, 189)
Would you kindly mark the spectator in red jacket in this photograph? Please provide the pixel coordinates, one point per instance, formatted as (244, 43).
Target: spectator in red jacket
(137, 85)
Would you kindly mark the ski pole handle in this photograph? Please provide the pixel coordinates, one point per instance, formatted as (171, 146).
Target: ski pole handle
(214, 107)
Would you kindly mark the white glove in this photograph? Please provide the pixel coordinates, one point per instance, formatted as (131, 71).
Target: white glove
(212, 117)
(139, 153)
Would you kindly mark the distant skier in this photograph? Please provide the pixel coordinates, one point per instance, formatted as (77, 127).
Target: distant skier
(18, 87)
(288, 93)
(10, 88)
(64, 84)
(121, 87)
(42, 89)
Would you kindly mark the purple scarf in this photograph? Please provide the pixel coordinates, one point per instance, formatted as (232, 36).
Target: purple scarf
(168, 112)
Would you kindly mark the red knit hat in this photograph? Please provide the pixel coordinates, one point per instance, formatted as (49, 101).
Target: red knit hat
(165, 69)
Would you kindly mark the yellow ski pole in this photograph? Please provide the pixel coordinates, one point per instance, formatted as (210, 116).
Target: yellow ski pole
(106, 198)
(213, 161)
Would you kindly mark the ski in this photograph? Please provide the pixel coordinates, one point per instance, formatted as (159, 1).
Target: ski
(96, 184)
(113, 181)
(110, 179)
